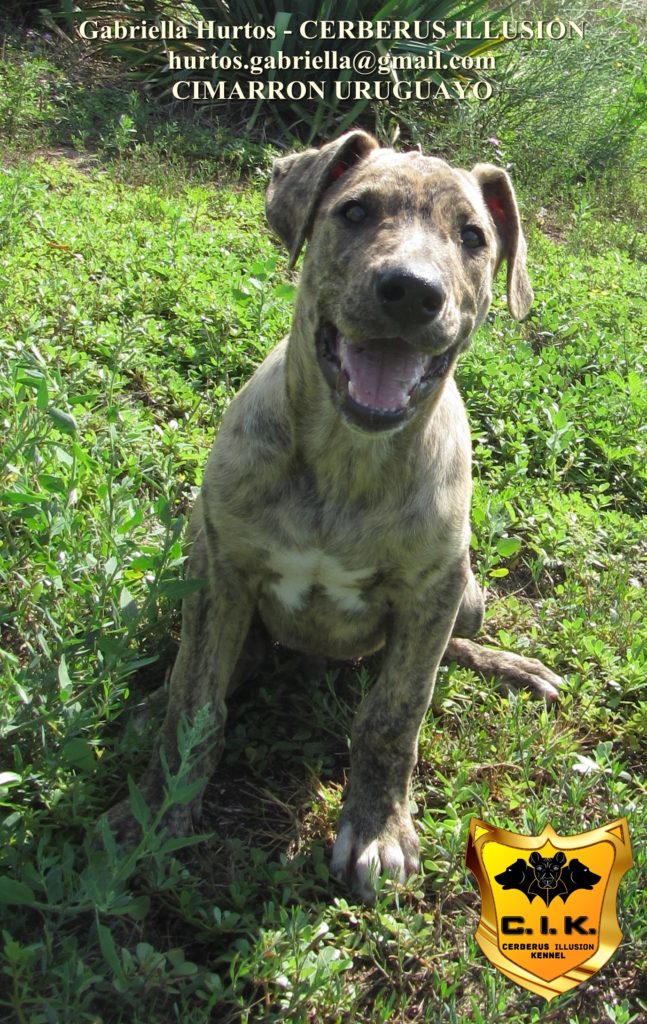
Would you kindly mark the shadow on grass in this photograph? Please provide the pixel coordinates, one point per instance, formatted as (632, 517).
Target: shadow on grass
(286, 741)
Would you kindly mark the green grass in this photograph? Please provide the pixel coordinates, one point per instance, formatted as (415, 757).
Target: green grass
(135, 300)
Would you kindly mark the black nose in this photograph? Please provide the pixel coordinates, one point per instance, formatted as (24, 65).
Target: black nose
(408, 297)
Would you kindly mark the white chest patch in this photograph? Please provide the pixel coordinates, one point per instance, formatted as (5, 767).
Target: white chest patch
(300, 571)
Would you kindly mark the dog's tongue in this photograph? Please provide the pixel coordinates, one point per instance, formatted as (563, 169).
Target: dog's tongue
(381, 374)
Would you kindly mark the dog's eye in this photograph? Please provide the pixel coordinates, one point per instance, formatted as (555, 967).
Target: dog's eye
(472, 238)
(354, 212)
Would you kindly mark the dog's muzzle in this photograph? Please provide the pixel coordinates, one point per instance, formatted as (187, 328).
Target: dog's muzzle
(378, 383)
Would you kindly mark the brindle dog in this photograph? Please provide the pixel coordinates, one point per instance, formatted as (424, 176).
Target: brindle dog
(334, 514)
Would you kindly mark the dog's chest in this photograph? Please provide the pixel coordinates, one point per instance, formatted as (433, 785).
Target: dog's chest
(296, 575)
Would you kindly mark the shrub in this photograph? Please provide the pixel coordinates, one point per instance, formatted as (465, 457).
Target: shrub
(563, 111)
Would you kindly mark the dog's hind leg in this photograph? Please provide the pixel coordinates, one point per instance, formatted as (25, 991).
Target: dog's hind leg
(512, 670)
(472, 610)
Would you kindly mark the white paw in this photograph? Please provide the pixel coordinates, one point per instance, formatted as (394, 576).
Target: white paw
(362, 861)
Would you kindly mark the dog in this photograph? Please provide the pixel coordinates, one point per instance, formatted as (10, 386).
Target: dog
(548, 881)
(334, 513)
(547, 877)
(518, 875)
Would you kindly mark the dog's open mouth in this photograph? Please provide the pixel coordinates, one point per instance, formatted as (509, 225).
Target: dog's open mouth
(378, 382)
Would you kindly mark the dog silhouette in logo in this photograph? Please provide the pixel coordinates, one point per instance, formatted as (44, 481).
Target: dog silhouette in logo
(547, 877)
(577, 876)
(548, 881)
(517, 876)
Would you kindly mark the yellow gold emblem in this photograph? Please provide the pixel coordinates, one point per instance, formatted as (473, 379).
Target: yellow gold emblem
(548, 902)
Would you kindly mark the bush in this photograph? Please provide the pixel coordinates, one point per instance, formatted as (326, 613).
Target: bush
(563, 111)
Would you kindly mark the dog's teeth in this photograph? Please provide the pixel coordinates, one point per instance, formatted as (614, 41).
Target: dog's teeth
(352, 391)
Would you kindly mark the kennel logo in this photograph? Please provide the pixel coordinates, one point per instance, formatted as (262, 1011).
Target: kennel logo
(548, 902)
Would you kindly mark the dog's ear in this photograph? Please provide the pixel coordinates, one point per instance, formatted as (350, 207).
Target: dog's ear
(299, 181)
(500, 200)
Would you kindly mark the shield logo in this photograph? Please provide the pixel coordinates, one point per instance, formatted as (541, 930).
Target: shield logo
(548, 902)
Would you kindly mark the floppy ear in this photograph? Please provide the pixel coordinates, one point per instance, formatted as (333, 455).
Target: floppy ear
(299, 181)
(500, 200)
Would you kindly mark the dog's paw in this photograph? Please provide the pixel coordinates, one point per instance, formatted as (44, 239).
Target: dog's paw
(361, 855)
(517, 672)
(513, 671)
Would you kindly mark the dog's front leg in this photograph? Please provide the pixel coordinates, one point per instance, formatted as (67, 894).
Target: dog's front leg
(215, 625)
(376, 833)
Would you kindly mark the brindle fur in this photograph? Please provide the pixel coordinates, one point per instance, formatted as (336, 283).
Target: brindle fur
(290, 474)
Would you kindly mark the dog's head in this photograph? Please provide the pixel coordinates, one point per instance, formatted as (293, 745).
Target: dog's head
(548, 869)
(401, 256)
(514, 875)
